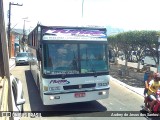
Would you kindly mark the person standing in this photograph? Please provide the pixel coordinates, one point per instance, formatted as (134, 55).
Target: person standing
(148, 78)
(153, 87)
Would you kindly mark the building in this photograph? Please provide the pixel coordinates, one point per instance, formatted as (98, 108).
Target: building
(16, 37)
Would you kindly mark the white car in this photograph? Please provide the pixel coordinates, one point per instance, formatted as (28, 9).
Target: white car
(22, 58)
(148, 60)
(17, 95)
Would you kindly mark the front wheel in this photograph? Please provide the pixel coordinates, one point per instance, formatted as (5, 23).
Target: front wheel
(142, 62)
(30, 66)
(158, 110)
(38, 85)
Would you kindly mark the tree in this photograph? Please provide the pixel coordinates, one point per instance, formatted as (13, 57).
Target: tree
(113, 45)
(138, 41)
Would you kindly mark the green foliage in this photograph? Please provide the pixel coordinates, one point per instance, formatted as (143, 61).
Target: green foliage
(135, 41)
(132, 40)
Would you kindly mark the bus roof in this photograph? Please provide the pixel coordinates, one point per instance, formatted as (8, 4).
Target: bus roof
(73, 33)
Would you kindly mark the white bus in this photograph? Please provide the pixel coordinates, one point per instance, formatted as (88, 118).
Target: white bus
(69, 64)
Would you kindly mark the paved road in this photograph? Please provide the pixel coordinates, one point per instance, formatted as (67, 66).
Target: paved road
(120, 99)
(134, 65)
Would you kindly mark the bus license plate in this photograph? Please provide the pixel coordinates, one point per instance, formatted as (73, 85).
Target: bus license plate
(81, 94)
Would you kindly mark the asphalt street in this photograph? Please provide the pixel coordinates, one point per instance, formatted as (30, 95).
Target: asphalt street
(121, 100)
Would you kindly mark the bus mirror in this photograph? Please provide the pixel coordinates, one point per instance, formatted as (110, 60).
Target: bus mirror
(38, 56)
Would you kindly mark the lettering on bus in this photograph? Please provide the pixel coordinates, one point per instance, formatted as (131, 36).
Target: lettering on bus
(59, 82)
(52, 37)
(72, 32)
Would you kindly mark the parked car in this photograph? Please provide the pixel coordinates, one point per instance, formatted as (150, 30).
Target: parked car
(148, 60)
(22, 58)
(17, 94)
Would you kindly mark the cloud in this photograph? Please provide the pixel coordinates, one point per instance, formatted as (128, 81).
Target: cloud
(126, 14)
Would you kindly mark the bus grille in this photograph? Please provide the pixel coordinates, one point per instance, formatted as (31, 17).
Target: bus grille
(70, 87)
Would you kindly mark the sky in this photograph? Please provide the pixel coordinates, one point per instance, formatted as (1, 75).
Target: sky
(124, 14)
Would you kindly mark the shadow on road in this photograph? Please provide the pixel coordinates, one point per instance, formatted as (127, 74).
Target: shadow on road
(21, 65)
(88, 109)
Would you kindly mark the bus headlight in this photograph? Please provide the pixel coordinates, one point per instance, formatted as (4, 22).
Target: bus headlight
(54, 97)
(99, 84)
(54, 88)
(51, 97)
(45, 88)
(103, 84)
(102, 93)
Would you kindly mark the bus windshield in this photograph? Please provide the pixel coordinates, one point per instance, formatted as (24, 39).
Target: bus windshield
(93, 58)
(74, 58)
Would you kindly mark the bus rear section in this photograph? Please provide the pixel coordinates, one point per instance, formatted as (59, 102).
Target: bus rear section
(74, 64)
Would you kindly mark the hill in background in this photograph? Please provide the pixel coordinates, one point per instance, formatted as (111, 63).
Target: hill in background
(113, 31)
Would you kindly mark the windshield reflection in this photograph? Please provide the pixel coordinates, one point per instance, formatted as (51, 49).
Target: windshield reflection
(60, 58)
(64, 59)
(93, 58)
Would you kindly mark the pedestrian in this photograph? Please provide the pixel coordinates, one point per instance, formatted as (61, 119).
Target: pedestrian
(146, 81)
(153, 87)
(148, 77)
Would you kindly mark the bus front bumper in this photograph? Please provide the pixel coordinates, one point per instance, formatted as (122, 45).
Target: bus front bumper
(50, 98)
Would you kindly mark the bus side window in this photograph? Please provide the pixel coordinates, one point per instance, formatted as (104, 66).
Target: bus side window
(38, 55)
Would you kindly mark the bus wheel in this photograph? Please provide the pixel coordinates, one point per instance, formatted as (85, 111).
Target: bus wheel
(38, 86)
(30, 66)
(158, 109)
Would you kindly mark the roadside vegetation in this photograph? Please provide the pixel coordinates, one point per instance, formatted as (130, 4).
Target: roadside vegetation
(137, 41)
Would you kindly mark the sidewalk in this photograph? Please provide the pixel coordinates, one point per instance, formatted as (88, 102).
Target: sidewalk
(134, 89)
(12, 63)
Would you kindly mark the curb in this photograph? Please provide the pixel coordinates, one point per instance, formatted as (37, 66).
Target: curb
(134, 89)
(4, 96)
(11, 63)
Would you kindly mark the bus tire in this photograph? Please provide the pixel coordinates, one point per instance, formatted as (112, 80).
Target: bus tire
(22, 111)
(38, 86)
(158, 109)
(30, 66)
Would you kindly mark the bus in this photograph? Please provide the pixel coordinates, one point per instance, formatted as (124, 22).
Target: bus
(69, 64)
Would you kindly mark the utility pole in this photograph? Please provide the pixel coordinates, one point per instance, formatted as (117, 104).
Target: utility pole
(24, 33)
(82, 7)
(4, 61)
(23, 38)
(9, 26)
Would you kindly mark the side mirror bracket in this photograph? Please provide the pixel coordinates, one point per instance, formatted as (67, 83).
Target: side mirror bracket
(21, 101)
